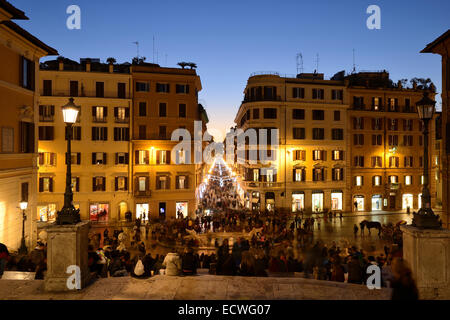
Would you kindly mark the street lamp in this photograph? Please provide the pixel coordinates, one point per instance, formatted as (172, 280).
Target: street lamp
(425, 218)
(68, 214)
(23, 248)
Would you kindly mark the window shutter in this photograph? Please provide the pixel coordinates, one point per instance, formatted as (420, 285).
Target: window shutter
(116, 112)
(168, 156)
(51, 184)
(116, 183)
(77, 187)
(127, 112)
(147, 157)
(136, 184)
(41, 184)
(94, 158)
(158, 153)
(126, 183)
(105, 112)
(117, 158)
(94, 137)
(104, 157)
(21, 61)
(177, 182)
(324, 155)
(136, 156)
(105, 129)
(126, 158)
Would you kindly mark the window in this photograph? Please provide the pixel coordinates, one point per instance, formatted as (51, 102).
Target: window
(46, 133)
(377, 162)
(142, 184)
(299, 155)
(46, 113)
(420, 161)
(359, 181)
(394, 162)
(376, 103)
(26, 74)
(99, 114)
(75, 134)
(142, 157)
(182, 110)
(270, 93)
(121, 183)
(142, 86)
(337, 134)
(407, 140)
(393, 124)
(319, 155)
(162, 132)
(318, 94)
(46, 184)
(358, 123)
(376, 181)
(408, 107)
(255, 174)
(182, 182)
(74, 88)
(337, 155)
(98, 158)
(122, 158)
(75, 184)
(337, 94)
(359, 161)
(393, 179)
(358, 102)
(408, 180)
(47, 159)
(422, 179)
(393, 140)
(47, 88)
(318, 115)
(298, 133)
(408, 161)
(75, 158)
(318, 174)
(162, 183)
(298, 114)
(420, 140)
(162, 87)
(99, 89)
(337, 174)
(255, 113)
(121, 90)
(142, 132)
(142, 109)
(377, 139)
(180, 156)
(24, 191)
(298, 93)
(299, 175)
(98, 184)
(99, 133)
(8, 139)
(121, 134)
(318, 133)
(121, 114)
(26, 136)
(163, 109)
(337, 115)
(407, 124)
(377, 124)
(270, 113)
(182, 88)
(163, 157)
(358, 139)
(392, 104)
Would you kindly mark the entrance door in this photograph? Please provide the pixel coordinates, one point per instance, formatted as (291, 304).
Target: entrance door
(391, 202)
(376, 203)
(123, 207)
(407, 201)
(359, 203)
(162, 210)
(317, 202)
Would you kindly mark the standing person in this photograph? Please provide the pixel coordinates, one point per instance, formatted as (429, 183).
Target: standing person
(402, 283)
(4, 255)
(355, 230)
(355, 204)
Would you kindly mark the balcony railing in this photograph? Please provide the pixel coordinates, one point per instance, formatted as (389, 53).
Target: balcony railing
(121, 120)
(99, 119)
(146, 193)
(259, 184)
(46, 118)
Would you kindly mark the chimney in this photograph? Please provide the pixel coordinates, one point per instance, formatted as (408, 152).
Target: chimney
(111, 68)
(88, 65)
(60, 64)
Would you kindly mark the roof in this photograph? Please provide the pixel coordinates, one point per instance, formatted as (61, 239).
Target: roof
(28, 36)
(16, 13)
(442, 38)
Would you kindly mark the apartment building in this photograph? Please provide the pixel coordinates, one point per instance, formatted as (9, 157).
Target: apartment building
(19, 91)
(386, 136)
(100, 156)
(308, 170)
(165, 99)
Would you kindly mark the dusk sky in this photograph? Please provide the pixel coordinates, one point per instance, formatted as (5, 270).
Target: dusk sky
(229, 40)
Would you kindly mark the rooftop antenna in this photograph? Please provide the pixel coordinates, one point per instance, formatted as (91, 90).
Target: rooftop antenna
(354, 66)
(153, 49)
(166, 60)
(137, 48)
(317, 63)
(299, 63)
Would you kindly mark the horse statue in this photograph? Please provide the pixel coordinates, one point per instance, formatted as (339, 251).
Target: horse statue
(369, 225)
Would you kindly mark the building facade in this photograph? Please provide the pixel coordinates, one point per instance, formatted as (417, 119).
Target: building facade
(100, 144)
(165, 99)
(386, 138)
(441, 46)
(19, 91)
(308, 171)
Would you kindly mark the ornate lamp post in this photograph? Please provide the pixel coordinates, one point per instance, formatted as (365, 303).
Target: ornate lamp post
(425, 218)
(23, 248)
(68, 214)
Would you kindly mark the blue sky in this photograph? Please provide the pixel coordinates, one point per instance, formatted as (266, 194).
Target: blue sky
(231, 39)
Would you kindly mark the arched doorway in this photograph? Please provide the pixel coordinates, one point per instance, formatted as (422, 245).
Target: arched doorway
(123, 207)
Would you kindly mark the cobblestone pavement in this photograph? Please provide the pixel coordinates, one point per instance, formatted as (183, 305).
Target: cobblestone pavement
(201, 287)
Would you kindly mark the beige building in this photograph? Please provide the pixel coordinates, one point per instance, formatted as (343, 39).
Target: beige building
(165, 99)
(309, 172)
(101, 139)
(19, 91)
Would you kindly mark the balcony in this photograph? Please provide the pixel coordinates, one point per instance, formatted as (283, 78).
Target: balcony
(261, 98)
(262, 185)
(46, 118)
(99, 119)
(121, 120)
(146, 193)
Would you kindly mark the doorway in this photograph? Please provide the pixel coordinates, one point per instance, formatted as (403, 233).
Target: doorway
(162, 210)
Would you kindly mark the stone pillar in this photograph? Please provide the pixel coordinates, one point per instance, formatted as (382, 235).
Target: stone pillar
(427, 251)
(67, 245)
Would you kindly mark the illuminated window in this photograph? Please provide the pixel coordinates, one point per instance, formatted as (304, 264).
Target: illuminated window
(358, 181)
(408, 180)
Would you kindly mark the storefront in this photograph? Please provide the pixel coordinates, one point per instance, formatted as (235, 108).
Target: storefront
(336, 200)
(99, 212)
(358, 203)
(317, 201)
(407, 201)
(47, 212)
(255, 201)
(419, 201)
(142, 211)
(377, 202)
(181, 209)
(270, 201)
(298, 201)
